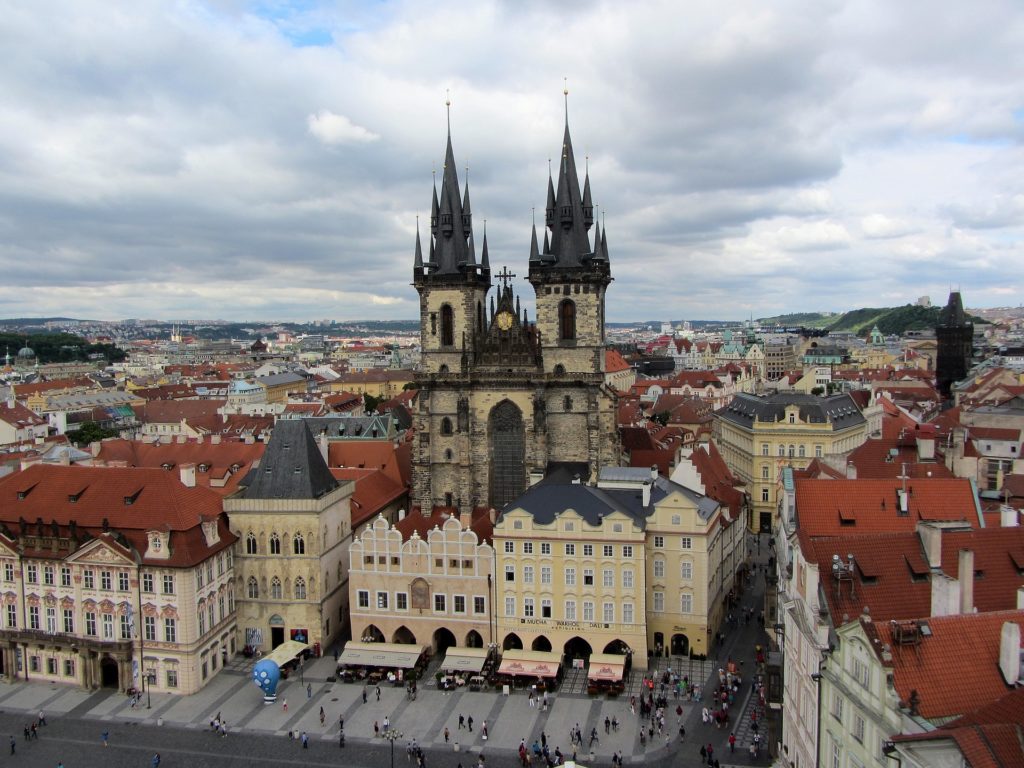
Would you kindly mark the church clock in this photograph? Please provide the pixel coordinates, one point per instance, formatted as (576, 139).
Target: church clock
(504, 320)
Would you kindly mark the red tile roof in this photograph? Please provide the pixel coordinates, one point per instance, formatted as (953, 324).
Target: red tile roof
(18, 416)
(888, 458)
(841, 507)
(373, 492)
(719, 483)
(395, 461)
(994, 433)
(480, 523)
(614, 362)
(949, 682)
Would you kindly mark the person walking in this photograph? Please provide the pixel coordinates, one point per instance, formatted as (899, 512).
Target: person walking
(378, 693)
(305, 740)
(42, 718)
(284, 705)
(364, 694)
(13, 743)
(462, 722)
(309, 690)
(156, 760)
(446, 734)
(323, 717)
(223, 729)
(105, 736)
(732, 742)
(469, 722)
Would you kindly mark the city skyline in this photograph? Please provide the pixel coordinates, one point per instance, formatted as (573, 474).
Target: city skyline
(269, 160)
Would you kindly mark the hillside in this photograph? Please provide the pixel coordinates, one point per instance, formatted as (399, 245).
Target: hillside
(890, 320)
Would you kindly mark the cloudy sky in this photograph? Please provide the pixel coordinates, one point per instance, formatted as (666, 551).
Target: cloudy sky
(268, 160)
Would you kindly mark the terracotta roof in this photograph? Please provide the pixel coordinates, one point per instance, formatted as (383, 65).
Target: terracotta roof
(818, 469)
(480, 522)
(633, 438)
(174, 411)
(843, 507)
(628, 412)
(719, 483)
(660, 457)
(373, 492)
(614, 362)
(994, 433)
(22, 391)
(18, 416)
(888, 458)
(395, 461)
(946, 680)
(1013, 485)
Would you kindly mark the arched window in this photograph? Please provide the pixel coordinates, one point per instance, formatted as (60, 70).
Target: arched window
(298, 545)
(275, 588)
(567, 320)
(782, 450)
(250, 543)
(443, 370)
(559, 370)
(446, 426)
(300, 588)
(275, 544)
(253, 589)
(567, 403)
(792, 451)
(448, 455)
(447, 326)
(803, 452)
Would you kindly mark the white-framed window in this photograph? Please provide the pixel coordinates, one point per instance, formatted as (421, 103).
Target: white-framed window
(607, 550)
(69, 621)
(800, 451)
(12, 616)
(8, 571)
(686, 542)
(570, 550)
(65, 576)
(627, 578)
(90, 624)
(609, 613)
(860, 672)
(170, 630)
(677, 519)
(659, 602)
(588, 577)
(837, 707)
(168, 584)
(858, 728)
(659, 568)
(172, 678)
(51, 620)
(659, 542)
(627, 613)
(627, 551)
(545, 574)
(570, 577)
(588, 610)
(686, 570)
(686, 603)
(527, 574)
(588, 550)
(107, 619)
(148, 626)
(510, 547)
(126, 627)
(401, 601)
(782, 450)
(479, 604)
(382, 601)
(88, 579)
(147, 582)
(764, 494)
(202, 622)
(528, 607)
(440, 603)
(106, 581)
(607, 577)
(458, 603)
(48, 575)
(818, 452)
(764, 472)
(545, 547)
(570, 610)
(510, 572)
(569, 526)
(33, 617)
(764, 449)
(527, 547)
(510, 606)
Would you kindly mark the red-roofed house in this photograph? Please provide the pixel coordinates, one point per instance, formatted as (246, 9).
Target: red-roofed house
(20, 424)
(618, 374)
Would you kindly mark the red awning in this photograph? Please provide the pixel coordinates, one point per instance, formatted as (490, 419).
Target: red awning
(611, 672)
(528, 668)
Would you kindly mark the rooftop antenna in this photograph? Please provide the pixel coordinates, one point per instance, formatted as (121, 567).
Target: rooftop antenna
(565, 92)
(448, 109)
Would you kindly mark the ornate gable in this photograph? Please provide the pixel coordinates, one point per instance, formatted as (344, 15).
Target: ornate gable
(102, 553)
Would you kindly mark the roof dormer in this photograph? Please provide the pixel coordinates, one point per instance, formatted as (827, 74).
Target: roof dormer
(158, 545)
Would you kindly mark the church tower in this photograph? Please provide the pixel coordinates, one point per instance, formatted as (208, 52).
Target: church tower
(504, 401)
(954, 340)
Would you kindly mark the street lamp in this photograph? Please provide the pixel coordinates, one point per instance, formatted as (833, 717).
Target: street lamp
(392, 735)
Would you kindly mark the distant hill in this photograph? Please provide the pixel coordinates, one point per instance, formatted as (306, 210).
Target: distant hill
(890, 320)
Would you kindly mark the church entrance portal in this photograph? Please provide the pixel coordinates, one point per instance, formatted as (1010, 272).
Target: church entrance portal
(508, 454)
(108, 672)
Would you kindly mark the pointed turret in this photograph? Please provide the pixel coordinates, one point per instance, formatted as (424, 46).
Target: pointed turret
(417, 263)
(597, 239)
(434, 212)
(588, 203)
(534, 250)
(485, 261)
(549, 215)
(604, 245)
(467, 217)
(547, 243)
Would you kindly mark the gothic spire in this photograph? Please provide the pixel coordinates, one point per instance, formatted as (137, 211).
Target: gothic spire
(534, 250)
(485, 262)
(549, 216)
(588, 203)
(451, 245)
(418, 261)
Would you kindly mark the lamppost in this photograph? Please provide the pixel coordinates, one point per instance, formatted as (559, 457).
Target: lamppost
(392, 735)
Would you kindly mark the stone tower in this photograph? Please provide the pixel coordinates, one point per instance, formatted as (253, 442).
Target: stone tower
(954, 336)
(502, 400)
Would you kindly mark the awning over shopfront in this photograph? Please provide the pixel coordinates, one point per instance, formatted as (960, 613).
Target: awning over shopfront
(530, 663)
(606, 666)
(286, 651)
(464, 659)
(391, 655)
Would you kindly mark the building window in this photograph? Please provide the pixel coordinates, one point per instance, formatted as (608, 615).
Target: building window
(545, 574)
(108, 626)
(837, 707)
(528, 607)
(607, 550)
(250, 543)
(659, 602)
(90, 624)
(764, 494)
(69, 621)
(686, 570)
(686, 603)
(588, 550)
(510, 573)
(627, 578)
(51, 620)
(275, 544)
(545, 608)
(65, 576)
(570, 550)
(659, 568)
(149, 627)
(122, 582)
(479, 605)
(69, 668)
(51, 666)
(126, 627)
(446, 426)
(168, 584)
(764, 449)
(659, 542)
(172, 678)
(253, 588)
(202, 622)
(782, 450)
(439, 603)
(12, 616)
(48, 575)
(527, 574)
(588, 577)
(801, 452)
(88, 579)
(588, 610)
(545, 547)
(275, 588)
(608, 577)
(382, 601)
(510, 606)
(627, 551)
(818, 452)
(570, 610)
(858, 728)
(570, 577)
(458, 603)
(527, 547)
(170, 631)
(567, 320)
(627, 613)
(298, 545)
(33, 617)
(510, 547)
(147, 582)
(447, 326)
(8, 571)
(609, 613)
(300, 588)
(765, 472)
(106, 581)
(677, 520)
(860, 672)
(686, 542)
(363, 598)
(401, 601)
(792, 451)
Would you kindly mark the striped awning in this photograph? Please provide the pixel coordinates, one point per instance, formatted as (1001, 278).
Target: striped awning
(464, 659)
(606, 666)
(530, 663)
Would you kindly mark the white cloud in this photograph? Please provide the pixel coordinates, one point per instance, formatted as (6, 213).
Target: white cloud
(337, 129)
(880, 226)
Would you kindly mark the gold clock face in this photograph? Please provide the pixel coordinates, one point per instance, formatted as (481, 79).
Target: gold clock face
(504, 320)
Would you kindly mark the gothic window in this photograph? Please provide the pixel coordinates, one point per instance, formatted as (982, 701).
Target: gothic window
(507, 448)
(300, 588)
(298, 544)
(446, 426)
(559, 370)
(447, 326)
(275, 544)
(275, 588)
(479, 317)
(253, 588)
(250, 543)
(443, 370)
(448, 455)
(567, 320)
(567, 403)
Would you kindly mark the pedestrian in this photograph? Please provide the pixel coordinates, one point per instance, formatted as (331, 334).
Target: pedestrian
(462, 722)
(322, 717)
(469, 722)
(484, 730)
(309, 690)
(682, 732)
(42, 718)
(105, 736)
(607, 724)
(378, 693)
(156, 760)
(446, 734)
(34, 731)
(387, 722)
(284, 705)
(732, 742)
(376, 728)
(364, 694)
(12, 745)
(341, 722)
(305, 740)
(223, 729)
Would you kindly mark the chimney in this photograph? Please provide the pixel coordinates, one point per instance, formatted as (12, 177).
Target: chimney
(214, 439)
(1008, 516)
(188, 475)
(646, 493)
(401, 514)
(1020, 598)
(946, 595)
(1009, 652)
(926, 449)
(931, 540)
(966, 569)
(492, 514)
(95, 445)
(323, 447)
(654, 472)
(851, 471)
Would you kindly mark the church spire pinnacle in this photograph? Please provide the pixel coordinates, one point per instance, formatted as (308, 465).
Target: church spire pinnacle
(417, 264)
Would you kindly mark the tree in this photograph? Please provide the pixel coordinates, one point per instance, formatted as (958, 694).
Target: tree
(661, 418)
(90, 432)
(370, 402)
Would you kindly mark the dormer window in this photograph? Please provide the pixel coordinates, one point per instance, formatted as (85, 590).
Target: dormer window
(156, 544)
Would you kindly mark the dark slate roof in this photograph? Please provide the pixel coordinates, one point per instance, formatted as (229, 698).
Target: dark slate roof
(276, 379)
(952, 315)
(292, 466)
(839, 410)
(375, 427)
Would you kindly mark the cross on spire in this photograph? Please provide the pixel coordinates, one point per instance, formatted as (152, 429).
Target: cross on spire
(505, 276)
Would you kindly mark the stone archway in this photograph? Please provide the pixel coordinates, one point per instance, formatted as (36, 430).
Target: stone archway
(372, 635)
(474, 640)
(109, 673)
(443, 640)
(506, 442)
(541, 643)
(578, 648)
(617, 647)
(512, 641)
(403, 635)
(680, 645)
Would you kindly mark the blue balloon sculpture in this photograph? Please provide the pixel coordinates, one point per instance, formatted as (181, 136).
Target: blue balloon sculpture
(266, 674)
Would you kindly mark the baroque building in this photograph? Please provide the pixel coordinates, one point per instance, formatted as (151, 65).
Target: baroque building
(502, 399)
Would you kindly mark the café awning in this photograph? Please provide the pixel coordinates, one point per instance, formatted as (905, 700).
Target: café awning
(530, 663)
(606, 666)
(464, 659)
(286, 651)
(390, 655)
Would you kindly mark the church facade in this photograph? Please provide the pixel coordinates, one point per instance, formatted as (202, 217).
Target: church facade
(505, 400)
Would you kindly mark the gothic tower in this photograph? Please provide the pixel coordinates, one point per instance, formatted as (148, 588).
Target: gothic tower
(504, 401)
(954, 338)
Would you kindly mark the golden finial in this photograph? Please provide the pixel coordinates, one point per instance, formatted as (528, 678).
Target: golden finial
(565, 92)
(448, 108)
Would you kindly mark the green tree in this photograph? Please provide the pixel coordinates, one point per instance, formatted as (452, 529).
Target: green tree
(90, 432)
(370, 402)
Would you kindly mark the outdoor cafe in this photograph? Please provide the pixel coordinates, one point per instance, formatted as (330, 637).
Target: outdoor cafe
(374, 663)
(605, 673)
(519, 669)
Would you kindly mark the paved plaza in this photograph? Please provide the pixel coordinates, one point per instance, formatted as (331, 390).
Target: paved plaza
(180, 725)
